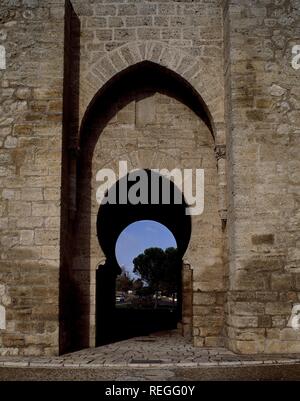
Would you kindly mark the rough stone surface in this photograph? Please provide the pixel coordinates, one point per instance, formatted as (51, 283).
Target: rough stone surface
(263, 203)
(30, 154)
(235, 56)
(162, 351)
(2, 318)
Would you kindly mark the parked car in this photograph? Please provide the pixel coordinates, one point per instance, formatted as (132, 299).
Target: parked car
(120, 299)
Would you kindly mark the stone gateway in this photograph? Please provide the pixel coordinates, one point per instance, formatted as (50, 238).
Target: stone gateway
(204, 84)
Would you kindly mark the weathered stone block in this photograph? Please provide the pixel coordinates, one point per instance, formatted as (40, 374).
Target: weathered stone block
(50, 252)
(104, 34)
(281, 282)
(148, 33)
(31, 194)
(250, 347)
(202, 298)
(127, 9)
(243, 321)
(26, 237)
(278, 308)
(147, 8)
(264, 321)
(105, 9)
(276, 346)
(260, 239)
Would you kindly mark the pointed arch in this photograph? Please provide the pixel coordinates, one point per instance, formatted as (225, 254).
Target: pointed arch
(191, 70)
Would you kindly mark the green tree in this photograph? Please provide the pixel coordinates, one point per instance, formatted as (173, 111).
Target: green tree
(124, 283)
(137, 284)
(159, 269)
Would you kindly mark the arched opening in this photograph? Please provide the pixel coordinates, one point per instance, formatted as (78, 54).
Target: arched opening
(153, 119)
(143, 79)
(113, 323)
(141, 235)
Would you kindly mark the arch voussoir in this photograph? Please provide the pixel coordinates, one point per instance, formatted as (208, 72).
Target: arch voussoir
(155, 52)
(131, 54)
(106, 65)
(117, 61)
(142, 50)
(194, 70)
(165, 57)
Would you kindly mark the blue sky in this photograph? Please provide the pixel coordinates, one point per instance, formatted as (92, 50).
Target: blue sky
(139, 236)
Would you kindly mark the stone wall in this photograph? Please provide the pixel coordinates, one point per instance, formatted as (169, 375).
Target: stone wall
(31, 89)
(263, 153)
(235, 56)
(42, 46)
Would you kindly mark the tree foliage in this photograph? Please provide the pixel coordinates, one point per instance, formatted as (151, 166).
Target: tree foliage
(124, 283)
(159, 268)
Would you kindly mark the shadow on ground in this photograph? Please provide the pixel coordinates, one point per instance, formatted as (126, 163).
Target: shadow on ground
(128, 323)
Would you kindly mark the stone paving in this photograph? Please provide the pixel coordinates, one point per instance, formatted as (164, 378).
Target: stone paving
(162, 350)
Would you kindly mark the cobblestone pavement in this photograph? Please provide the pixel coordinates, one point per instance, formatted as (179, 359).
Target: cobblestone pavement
(161, 350)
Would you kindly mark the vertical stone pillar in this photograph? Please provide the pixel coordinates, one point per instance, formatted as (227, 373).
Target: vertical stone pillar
(70, 151)
(73, 155)
(187, 300)
(220, 151)
(31, 80)
(262, 100)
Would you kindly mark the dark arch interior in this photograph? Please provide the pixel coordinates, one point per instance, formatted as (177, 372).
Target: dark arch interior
(114, 218)
(111, 221)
